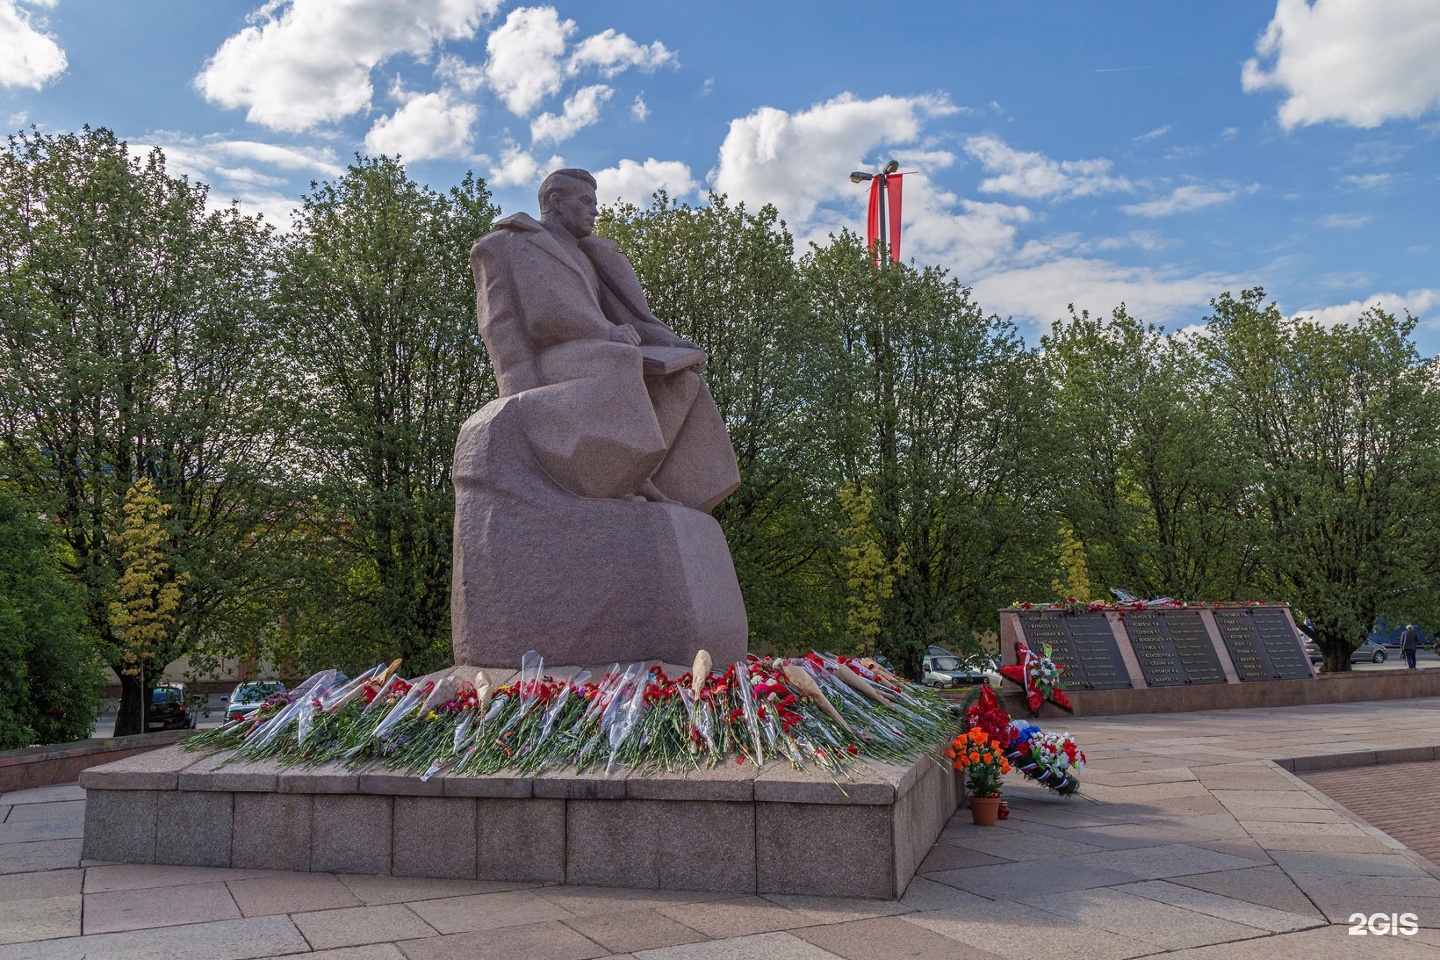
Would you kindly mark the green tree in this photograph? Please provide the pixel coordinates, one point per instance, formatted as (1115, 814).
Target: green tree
(49, 689)
(1152, 493)
(1340, 430)
(136, 341)
(380, 327)
(942, 413)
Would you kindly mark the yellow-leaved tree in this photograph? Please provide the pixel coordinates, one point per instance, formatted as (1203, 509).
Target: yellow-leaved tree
(149, 593)
(869, 575)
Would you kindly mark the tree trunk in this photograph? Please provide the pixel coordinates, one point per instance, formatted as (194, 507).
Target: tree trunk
(130, 718)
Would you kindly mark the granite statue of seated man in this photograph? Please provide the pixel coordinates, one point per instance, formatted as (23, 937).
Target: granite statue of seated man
(582, 493)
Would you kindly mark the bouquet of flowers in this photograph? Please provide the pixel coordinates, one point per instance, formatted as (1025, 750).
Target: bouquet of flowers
(1051, 759)
(1039, 676)
(815, 709)
(981, 758)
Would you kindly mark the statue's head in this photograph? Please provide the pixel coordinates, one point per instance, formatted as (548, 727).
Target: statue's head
(567, 201)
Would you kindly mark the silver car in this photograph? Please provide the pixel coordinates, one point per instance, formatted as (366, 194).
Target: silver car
(248, 697)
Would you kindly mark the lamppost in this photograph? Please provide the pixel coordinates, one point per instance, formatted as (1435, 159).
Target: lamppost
(876, 219)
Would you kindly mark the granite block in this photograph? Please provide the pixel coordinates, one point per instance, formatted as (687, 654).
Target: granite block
(272, 831)
(658, 844)
(326, 778)
(350, 833)
(688, 830)
(398, 785)
(865, 784)
(853, 856)
(221, 773)
(120, 825)
(503, 787)
(726, 782)
(520, 839)
(569, 784)
(153, 770)
(196, 828)
(434, 837)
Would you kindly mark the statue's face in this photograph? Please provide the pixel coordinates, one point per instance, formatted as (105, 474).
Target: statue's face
(572, 208)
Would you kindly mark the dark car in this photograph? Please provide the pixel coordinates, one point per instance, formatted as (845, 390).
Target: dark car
(170, 708)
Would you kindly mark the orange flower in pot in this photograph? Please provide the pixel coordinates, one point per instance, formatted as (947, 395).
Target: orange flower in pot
(981, 758)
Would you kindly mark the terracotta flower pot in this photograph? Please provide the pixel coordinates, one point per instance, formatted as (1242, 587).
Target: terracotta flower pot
(984, 810)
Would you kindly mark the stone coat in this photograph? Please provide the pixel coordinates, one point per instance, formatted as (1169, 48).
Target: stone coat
(597, 425)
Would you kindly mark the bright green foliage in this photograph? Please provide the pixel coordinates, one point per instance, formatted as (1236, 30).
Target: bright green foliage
(1339, 430)
(1153, 494)
(136, 340)
(49, 689)
(380, 328)
(941, 414)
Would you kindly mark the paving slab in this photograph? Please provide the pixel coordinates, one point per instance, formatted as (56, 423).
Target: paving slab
(41, 918)
(550, 940)
(290, 893)
(737, 917)
(143, 910)
(487, 911)
(377, 890)
(1138, 918)
(37, 886)
(352, 926)
(763, 946)
(634, 930)
(1226, 908)
(888, 937)
(223, 940)
(1022, 932)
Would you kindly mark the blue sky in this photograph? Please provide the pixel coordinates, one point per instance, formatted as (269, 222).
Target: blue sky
(1134, 151)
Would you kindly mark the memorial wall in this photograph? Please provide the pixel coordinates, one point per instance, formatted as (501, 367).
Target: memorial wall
(1116, 649)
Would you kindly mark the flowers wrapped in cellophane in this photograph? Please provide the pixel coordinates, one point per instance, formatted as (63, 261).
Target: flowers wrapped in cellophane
(815, 710)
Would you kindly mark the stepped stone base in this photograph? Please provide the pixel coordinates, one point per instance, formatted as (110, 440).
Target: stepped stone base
(732, 828)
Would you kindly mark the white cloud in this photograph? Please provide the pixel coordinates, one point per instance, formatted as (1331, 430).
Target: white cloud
(1034, 175)
(525, 57)
(1359, 62)
(796, 161)
(632, 182)
(1416, 302)
(1370, 181)
(612, 53)
(518, 168)
(527, 62)
(582, 108)
(29, 57)
(455, 72)
(1186, 198)
(638, 110)
(308, 62)
(1153, 134)
(427, 127)
(1040, 294)
(1346, 221)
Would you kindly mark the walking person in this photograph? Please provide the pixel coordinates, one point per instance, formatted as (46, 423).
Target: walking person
(1409, 644)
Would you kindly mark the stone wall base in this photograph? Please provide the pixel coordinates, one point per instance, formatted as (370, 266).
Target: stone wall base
(732, 828)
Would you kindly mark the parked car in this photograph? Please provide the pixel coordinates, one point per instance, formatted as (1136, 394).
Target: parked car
(941, 668)
(248, 697)
(1368, 652)
(170, 708)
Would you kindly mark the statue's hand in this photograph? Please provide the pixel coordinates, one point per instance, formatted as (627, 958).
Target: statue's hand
(626, 333)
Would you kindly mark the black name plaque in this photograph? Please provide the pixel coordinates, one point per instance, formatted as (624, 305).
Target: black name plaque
(1082, 645)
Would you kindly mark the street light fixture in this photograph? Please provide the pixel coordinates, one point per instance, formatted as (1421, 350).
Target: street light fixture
(879, 192)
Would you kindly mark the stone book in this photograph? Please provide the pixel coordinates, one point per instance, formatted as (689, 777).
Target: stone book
(662, 361)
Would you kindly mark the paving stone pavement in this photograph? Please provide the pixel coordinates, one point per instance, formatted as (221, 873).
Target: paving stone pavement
(1188, 842)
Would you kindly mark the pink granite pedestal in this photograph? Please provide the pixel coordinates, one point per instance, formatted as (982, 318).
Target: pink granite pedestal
(732, 828)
